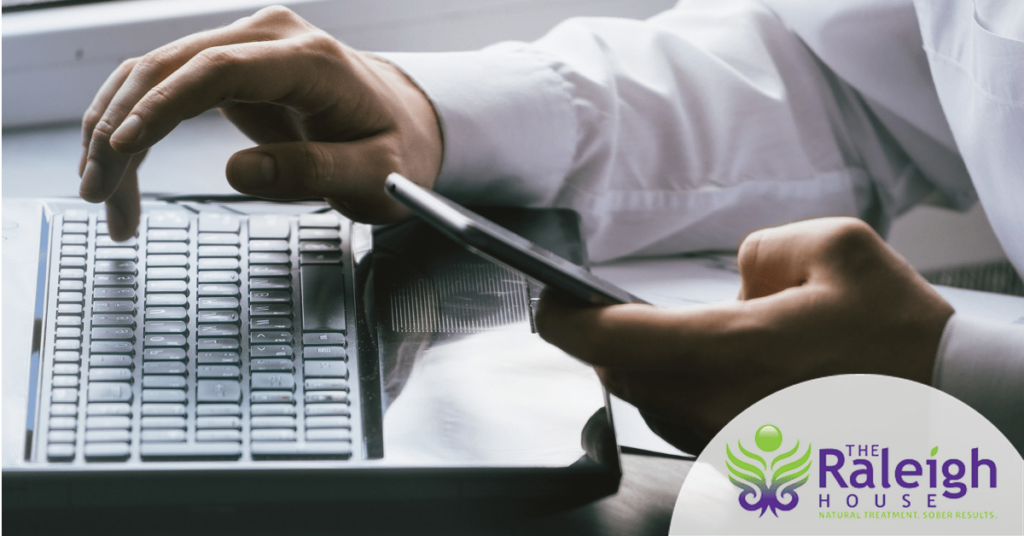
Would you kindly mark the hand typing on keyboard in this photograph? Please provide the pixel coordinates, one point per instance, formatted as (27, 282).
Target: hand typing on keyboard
(329, 121)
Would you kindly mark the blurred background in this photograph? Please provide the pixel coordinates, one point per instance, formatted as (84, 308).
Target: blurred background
(56, 54)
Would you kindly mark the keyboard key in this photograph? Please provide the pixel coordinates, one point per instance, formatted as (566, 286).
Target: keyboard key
(215, 372)
(68, 333)
(63, 436)
(123, 333)
(210, 289)
(327, 220)
(218, 303)
(167, 261)
(109, 422)
(71, 285)
(323, 298)
(213, 449)
(270, 337)
(327, 409)
(113, 347)
(272, 381)
(167, 273)
(324, 352)
(275, 323)
(68, 344)
(313, 257)
(76, 215)
(98, 361)
(67, 356)
(218, 239)
(325, 369)
(113, 280)
(164, 382)
(219, 435)
(269, 245)
(216, 317)
(219, 422)
(107, 451)
(270, 309)
(325, 384)
(69, 309)
(269, 227)
(164, 422)
(76, 228)
(271, 365)
(164, 395)
(328, 434)
(72, 262)
(96, 436)
(165, 326)
(72, 273)
(164, 340)
(273, 409)
(70, 297)
(113, 306)
(326, 397)
(168, 220)
(166, 313)
(271, 350)
(101, 226)
(219, 391)
(217, 344)
(219, 409)
(218, 223)
(113, 320)
(272, 434)
(217, 263)
(66, 368)
(63, 410)
(319, 234)
(272, 397)
(158, 434)
(270, 296)
(166, 410)
(231, 252)
(269, 258)
(217, 330)
(170, 285)
(167, 248)
(164, 367)
(269, 283)
(310, 339)
(107, 242)
(110, 375)
(110, 392)
(289, 449)
(219, 358)
(269, 270)
(116, 267)
(65, 381)
(63, 423)
(73, 251)
(316, 246)
(272, 422)
(116, 254)
(109, 408)
(218, 277)
(69, 320)
(115, 293)
(164, 354)
(328, 422)
(73, 240)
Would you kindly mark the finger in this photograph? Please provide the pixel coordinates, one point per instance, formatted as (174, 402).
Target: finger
(123, 207)
(99, 105)
(352, 173)
(105, 166)
(263, 122)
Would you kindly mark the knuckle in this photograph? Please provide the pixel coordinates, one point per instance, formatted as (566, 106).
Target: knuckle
(103, 130)
(319, 166)
(158, 61)
(217, 58)
(276, 15)
(850, 237)
(746, 257)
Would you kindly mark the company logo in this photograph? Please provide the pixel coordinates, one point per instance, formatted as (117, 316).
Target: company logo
(767, 485)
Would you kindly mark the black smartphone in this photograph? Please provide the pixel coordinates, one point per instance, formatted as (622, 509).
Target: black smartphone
(493, 242)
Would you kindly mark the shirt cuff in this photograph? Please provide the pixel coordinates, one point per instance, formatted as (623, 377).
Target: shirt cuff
(507, 121)
(982, 364)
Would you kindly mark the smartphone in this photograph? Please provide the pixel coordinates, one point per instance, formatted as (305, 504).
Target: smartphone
(493, 242)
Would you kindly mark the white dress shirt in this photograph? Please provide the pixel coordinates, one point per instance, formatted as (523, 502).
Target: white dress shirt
(686, 131)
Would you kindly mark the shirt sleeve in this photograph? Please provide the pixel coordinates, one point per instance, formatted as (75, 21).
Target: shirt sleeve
(982, 364)
(679, 133)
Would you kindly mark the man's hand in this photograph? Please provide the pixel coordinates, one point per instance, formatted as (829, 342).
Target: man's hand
(819, 297)
(330, 122)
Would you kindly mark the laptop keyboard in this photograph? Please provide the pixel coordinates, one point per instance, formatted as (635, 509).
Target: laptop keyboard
(210, 336)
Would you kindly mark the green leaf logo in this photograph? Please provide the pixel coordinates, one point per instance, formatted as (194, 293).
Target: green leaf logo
(763, 486)
(935, 451)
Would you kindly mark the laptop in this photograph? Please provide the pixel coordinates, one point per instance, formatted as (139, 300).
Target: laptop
(246, 356)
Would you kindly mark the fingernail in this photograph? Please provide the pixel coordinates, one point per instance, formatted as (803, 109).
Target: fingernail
(128, 132)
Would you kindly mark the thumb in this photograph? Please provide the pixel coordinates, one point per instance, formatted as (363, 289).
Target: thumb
(349, 174)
